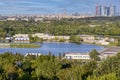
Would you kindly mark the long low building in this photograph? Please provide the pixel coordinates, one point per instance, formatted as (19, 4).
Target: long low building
(77, 56)
(108, 52)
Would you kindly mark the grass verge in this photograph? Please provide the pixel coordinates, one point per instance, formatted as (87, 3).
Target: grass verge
(24, 45)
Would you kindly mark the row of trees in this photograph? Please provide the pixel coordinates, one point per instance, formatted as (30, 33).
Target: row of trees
(49, 67)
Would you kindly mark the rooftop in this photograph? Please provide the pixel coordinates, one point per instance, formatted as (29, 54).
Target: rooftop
(112, 49)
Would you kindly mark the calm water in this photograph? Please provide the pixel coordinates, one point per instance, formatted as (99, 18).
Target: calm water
(54, 48)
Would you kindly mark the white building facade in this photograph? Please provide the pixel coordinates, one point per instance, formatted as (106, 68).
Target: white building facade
(22, 40)
(32, 54)
(77, 56)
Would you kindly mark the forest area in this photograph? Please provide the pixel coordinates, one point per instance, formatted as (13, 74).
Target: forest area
(91, 26)
(49, 67)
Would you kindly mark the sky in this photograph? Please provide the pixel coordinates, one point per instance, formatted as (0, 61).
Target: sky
(53, 6)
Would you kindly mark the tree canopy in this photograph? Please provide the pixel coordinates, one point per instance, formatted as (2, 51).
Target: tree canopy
(50, 67)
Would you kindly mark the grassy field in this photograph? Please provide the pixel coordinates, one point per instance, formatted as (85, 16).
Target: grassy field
(23, 45)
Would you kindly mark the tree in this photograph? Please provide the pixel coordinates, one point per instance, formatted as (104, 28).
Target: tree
(11, 72)
(47, 68)
(110, 76)
(31, 38)
(75, 39)
(94, 55)
(118, 42)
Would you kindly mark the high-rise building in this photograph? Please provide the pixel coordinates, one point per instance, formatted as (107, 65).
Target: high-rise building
(98, 10)
(102, 11)
(112, 10)
(105, 10)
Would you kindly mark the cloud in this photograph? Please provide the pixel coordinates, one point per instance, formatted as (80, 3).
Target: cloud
(50, 6)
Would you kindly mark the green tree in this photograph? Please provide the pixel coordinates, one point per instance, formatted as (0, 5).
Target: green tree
(110, 76)
(46, 67)
(94, 55)
(75, 39)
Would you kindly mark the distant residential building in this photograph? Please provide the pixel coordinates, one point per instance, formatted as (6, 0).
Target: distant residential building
(38, 19)
(42, 35)
(48, 37)
(77, 56)
(93, 25)
(11, 19)
(25, 19)
(21, 35)
(22, 40)
(88, 38)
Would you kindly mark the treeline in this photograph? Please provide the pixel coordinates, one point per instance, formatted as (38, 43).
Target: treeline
(49, 67)
(97, 26)
(103, 19)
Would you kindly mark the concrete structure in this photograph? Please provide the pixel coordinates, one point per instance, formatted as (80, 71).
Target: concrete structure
(112, 51)
(22, 40)
(77, 56)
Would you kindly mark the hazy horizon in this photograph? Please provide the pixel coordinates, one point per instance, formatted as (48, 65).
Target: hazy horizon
(53, 6)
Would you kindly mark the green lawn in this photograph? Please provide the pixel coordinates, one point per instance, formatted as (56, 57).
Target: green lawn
(23, 45)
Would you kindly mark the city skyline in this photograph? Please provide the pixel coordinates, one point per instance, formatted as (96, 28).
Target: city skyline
(106, 10)
(53, 6)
